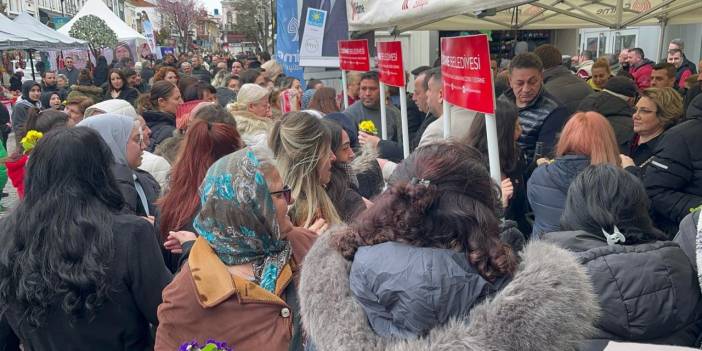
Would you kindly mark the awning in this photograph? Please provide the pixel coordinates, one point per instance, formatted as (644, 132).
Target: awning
(31, 24)
(17, 37)
(458, 15)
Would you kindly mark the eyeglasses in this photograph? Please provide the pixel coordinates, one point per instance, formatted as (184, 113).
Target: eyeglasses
(287, 194)
(643, 111)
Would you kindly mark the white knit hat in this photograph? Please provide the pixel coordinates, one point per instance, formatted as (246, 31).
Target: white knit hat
(113, 106)
(250, 93)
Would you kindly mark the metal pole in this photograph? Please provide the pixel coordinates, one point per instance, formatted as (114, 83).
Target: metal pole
(493, 147)
(447, 119)
(345, 89)
(383, 113)
(62, 14)
(493, 143)
(661, 39)
(31, 63)
(405, 124)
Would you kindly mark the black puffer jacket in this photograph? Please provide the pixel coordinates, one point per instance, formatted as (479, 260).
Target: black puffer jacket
(674, 177)
(541, 121)
(566, 87)
(648, 292)
(162, 125)
(617, 112)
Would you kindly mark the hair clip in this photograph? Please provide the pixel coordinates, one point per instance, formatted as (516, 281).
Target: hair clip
(615, 237)
(424, 182)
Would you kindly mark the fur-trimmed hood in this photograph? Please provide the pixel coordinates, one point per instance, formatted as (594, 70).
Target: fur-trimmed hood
(549, 306)
(252, 128)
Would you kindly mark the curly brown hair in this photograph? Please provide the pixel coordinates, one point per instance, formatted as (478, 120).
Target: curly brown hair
(161, 73)
(442, 196)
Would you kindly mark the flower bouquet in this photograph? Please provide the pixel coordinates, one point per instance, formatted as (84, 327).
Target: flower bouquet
(367, 126)
(209, 345)
(30, 140)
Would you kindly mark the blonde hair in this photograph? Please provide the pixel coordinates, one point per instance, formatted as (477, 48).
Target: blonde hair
(298, 142)
(668, 102)
(589, 134)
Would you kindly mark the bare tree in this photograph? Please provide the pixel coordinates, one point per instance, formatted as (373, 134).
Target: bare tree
(181, 15)
(255, 20)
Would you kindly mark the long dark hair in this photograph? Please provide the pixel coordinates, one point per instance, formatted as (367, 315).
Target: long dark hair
(121, 75)
(441, 196)
(603, 196)
(339, 182)
(58, 242)
(506, 116)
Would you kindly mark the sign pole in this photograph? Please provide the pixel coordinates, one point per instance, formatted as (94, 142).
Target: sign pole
(344, 89)
(493, 147)
(492, 142)
(446, 115)
(405, 124)
(383, 112)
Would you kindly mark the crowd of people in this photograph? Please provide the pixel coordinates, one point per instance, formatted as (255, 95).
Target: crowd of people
(212, 197)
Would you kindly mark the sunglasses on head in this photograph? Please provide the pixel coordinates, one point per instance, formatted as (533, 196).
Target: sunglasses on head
(287, 194)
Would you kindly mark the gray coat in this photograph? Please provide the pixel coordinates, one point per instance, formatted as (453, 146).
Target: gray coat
(548, 306)
(407, 290)
(648, 292)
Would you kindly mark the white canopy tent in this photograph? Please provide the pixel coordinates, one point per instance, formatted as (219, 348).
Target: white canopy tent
(99, 9)
(14, 37)
(32, 25)
(368, 15)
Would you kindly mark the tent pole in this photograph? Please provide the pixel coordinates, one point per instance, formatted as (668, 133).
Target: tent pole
(620, 8)
(663, 23)
(31, 63)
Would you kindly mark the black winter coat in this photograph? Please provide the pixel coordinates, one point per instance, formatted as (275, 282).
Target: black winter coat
(674, 177)
(566, 87)
(138, 275)
(648, 292)
(618, 113)
(162, 125)
(125, 182)
(127, 93)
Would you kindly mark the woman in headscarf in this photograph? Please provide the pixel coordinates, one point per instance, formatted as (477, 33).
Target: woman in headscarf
(125, 138)
(31, 93)
(237, 285)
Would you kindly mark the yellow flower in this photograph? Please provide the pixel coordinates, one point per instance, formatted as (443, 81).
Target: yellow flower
(368, 126)
(30, 140)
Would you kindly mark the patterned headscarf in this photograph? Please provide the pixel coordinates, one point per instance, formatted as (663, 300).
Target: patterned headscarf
(238, 217)
(307, 98)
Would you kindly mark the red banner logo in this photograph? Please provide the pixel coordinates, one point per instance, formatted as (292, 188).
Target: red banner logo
(465, 68)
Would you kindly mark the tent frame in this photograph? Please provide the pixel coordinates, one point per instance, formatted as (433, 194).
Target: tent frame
(662, 11)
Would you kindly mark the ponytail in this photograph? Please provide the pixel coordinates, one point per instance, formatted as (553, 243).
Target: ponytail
(162, 89)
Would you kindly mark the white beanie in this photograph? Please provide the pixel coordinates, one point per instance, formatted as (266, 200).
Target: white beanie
(250, 93)
(114, 106)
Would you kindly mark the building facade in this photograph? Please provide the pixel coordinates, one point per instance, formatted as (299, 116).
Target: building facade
(50, 9)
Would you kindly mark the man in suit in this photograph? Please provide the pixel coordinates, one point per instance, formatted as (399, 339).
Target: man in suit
(336, 27)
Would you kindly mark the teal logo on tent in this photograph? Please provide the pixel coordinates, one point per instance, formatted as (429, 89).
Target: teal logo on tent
(316, 17)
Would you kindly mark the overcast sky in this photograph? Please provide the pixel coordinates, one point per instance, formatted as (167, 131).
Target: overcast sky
(212, 4)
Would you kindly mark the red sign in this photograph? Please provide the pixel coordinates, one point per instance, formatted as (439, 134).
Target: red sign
(465, 68)
(390, 63)
(353, 55)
